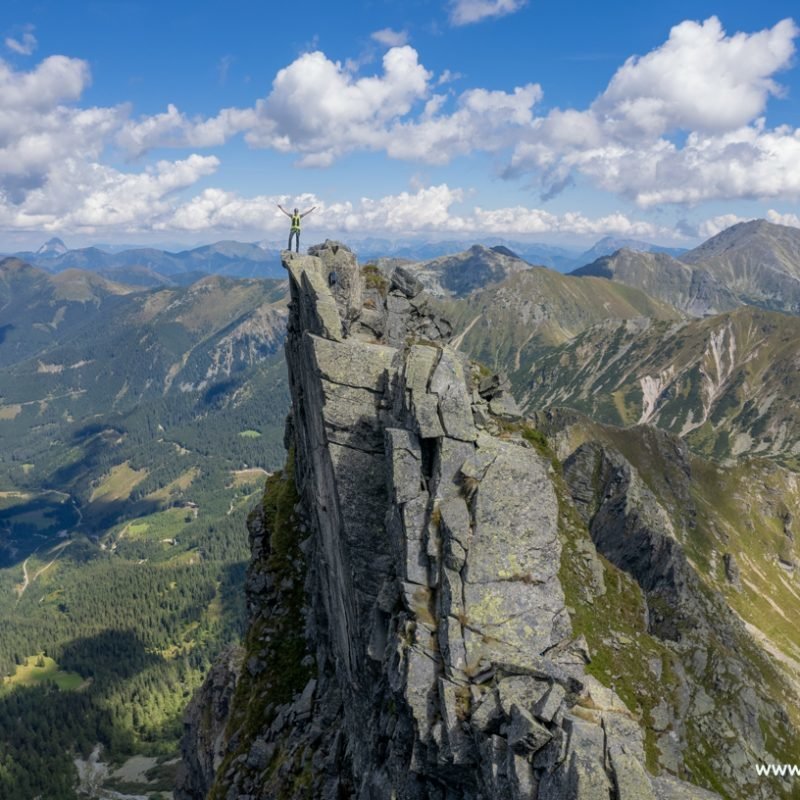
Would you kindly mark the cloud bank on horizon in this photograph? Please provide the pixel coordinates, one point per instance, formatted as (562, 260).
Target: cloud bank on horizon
(680, 126)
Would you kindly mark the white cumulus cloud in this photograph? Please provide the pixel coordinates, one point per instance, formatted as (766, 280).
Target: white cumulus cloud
(320, 110)
(465, 12)
(683, 124)
(700, 80)
(83, 196)
(708, 86)
(485, 120)
(792, 220)
(172, 128)
(57, 79)
(52, 174)
(390, 38)
(427, 211)
(39, 125)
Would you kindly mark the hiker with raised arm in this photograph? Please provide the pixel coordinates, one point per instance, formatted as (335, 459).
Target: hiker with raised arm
(295, 216)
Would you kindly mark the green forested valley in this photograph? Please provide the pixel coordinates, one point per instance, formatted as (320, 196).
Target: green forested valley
(136, 430)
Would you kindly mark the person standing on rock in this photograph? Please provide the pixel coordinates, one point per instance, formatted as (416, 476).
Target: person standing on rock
(296, 216)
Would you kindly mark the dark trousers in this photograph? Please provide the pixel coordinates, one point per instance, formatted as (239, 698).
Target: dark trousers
(295, 233)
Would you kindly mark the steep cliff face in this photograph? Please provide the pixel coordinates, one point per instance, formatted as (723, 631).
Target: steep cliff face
(205, 721)
(416, 604)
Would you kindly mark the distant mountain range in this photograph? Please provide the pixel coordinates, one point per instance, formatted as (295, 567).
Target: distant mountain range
(620, 339)
(152, 266)
(610, 244)
(752, 263)
(149, 266)
(560, 258)
(537, 253)
(576, 340)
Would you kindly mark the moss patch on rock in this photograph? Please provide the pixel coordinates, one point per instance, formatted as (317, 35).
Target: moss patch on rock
(276, 664)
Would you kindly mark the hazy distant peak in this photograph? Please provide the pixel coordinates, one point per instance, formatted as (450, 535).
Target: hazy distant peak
(740, 234)
(459, 274)
(52, 248)
(610, 245)
(504, 251)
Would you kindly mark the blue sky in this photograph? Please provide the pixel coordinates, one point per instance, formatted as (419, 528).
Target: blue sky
(187, 122)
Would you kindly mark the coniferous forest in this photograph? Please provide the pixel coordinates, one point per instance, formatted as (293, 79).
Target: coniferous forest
(125, 484)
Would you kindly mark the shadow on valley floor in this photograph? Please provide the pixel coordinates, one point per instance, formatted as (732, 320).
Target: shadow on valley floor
(101, 515)
(40, 524)
(42, 727)
(34, 525)
(94, 441)
(108, 657)
(232, 596)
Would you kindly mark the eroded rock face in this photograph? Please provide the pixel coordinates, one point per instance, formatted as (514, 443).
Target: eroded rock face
(446, 665)
(720, 693)
(204, 722)
(630, 527)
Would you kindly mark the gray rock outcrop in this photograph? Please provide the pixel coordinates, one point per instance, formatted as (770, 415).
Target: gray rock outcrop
(720, 697)
(205, 721)
(444, 660)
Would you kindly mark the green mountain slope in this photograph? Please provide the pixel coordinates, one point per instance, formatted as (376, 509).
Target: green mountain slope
(148, 372)
(694, 290)
(758, 261)
(137, 346)
(727, 384)
(38, 309)
(508, 326)
(137, 432)
(736, 526)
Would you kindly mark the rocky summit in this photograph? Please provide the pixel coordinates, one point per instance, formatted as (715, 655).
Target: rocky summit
(429, 613)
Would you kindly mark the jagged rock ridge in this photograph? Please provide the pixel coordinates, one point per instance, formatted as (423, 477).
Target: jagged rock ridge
(439, 650)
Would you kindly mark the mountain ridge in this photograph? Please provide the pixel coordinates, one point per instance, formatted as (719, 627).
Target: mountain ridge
(693, 290)
(754, 263)
(725, 383)
(236, 259)
(425, 581)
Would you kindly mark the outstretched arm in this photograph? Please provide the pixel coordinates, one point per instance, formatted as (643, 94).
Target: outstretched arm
(284, 210)
(306, 213)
